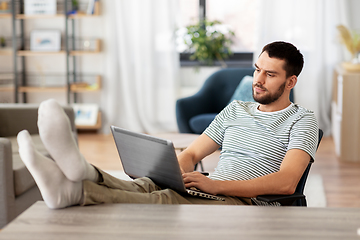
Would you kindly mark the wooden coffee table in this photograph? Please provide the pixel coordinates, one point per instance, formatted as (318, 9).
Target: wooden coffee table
(143, 221)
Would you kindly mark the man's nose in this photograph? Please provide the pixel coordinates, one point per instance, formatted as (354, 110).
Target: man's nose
(259, 78)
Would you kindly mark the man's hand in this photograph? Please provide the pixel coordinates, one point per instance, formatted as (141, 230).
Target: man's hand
(200, 181)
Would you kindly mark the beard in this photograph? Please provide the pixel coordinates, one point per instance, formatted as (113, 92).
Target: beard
(268, 98)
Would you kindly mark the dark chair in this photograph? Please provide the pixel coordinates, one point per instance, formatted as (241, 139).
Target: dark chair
(213, 96)
(296, 199)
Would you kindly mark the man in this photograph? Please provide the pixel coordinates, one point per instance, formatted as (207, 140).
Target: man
(266, 146)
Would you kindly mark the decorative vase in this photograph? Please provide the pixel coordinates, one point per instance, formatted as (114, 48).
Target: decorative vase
(353, 65)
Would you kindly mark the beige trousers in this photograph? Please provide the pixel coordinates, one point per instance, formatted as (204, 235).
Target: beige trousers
(142, 190)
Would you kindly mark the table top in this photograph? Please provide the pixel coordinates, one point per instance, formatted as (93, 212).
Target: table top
(146, 221)
(180, 140)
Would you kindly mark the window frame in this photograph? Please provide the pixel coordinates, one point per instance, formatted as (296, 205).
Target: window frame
(237, 59)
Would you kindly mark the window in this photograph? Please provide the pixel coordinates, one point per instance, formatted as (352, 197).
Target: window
(239, 15)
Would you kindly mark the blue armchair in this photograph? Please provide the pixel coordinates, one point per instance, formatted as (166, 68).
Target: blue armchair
(196, 112)
(214, 95)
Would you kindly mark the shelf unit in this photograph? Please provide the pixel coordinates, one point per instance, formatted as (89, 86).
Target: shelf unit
(20, 52)
(5, 15)
(6, 52)
(6, 83)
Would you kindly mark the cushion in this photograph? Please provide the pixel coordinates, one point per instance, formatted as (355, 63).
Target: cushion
(37, 142)
(243, 91)
(23, 180)
(200, 122)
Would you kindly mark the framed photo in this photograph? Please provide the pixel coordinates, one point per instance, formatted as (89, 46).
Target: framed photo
(86, 114)
(34, 7)
(45, 40)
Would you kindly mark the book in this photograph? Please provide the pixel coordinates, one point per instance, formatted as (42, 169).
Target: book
(90, 8)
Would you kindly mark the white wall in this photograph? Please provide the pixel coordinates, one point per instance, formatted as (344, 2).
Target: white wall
(354, 6)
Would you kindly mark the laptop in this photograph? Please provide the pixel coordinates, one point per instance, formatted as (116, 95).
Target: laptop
(143, 155)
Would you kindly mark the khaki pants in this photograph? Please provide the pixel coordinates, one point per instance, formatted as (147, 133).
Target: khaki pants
(142, 190)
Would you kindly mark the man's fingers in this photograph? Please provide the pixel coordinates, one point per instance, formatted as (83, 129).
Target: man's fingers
(191, 184)
(199, 181)
(188, 179)
(192, 177)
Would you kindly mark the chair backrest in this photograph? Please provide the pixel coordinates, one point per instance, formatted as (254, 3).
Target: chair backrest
(301, 185)
(222, 84)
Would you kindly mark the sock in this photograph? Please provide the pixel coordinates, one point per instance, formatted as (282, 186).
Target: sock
(56, 190)
(55, 133)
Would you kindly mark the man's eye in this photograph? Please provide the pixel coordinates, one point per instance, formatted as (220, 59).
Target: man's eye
(270, 75)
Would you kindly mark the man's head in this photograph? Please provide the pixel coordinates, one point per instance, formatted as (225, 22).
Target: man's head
(294, 60)
(276, 72)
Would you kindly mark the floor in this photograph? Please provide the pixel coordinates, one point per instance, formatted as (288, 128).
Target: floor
(341, 180)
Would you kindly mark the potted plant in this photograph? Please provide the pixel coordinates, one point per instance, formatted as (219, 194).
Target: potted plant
(75, 5)
(208, 41)
(352, 44)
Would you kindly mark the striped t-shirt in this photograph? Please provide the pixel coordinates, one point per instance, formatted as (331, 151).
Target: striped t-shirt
(254, 143)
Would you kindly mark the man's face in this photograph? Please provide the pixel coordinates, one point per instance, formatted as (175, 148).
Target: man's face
(269, 79)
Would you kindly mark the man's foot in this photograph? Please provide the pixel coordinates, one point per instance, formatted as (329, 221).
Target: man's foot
(56, 190)
(55, 132)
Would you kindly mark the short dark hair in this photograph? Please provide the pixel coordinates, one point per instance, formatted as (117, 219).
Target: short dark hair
(294, 60)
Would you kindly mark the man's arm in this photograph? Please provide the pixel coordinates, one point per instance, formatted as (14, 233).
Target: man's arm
(200, 148)
(282, 182)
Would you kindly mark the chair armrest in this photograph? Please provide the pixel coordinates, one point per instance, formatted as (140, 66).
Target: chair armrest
(284, 200)
(188, 107)
(7, 194)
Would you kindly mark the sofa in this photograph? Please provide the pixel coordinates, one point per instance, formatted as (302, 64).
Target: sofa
(18, 190)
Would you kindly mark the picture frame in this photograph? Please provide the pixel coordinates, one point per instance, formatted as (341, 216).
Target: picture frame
(45, 40)
(86, 114)
(35, 7)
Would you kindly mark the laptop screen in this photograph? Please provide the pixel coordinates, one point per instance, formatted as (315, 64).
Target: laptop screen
(147, 156)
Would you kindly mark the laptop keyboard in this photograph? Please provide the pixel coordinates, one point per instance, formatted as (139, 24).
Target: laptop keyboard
(196, 192)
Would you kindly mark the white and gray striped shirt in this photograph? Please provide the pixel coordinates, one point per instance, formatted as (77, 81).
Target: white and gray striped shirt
(254, 143)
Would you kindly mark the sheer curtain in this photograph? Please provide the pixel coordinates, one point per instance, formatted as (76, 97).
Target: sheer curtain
(141, 65)
(311, 26)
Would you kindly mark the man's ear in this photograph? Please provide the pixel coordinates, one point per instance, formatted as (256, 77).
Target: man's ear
(291, 82)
